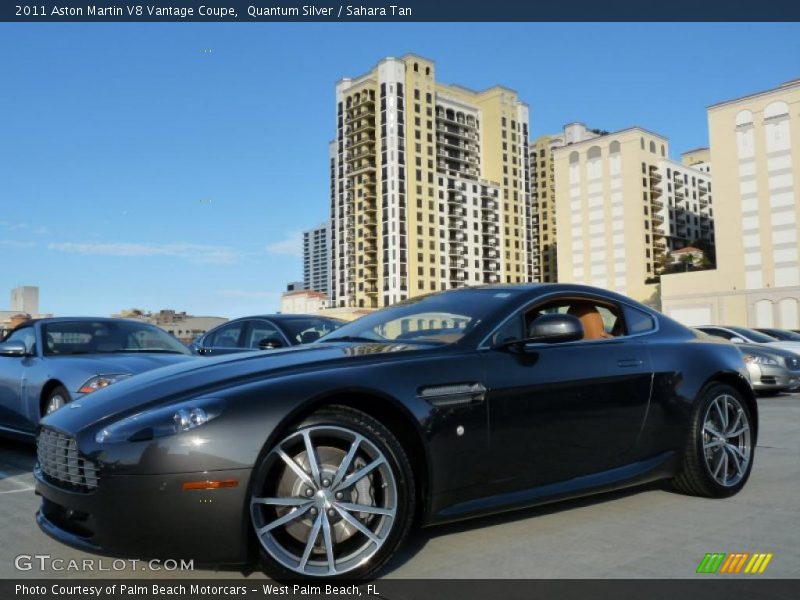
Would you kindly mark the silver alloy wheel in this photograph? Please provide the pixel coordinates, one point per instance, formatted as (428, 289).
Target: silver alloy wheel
(726, 440)
(55, 402)
(327, 502)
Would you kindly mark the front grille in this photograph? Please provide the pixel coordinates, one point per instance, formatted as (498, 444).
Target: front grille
(61, 464)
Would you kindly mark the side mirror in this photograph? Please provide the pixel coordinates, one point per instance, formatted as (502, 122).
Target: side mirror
(13, 349)
(554, 328)
(737, 340)
(269, 343)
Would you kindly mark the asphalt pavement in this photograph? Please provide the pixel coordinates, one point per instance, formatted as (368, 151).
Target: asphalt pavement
(648, 532)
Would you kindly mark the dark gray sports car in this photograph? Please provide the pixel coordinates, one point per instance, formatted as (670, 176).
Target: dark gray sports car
(46, 363)
(319, 458)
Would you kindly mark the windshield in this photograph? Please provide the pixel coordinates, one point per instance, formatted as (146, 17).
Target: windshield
(308, 329)
(103, 337)
(439, 318)
(752, 334)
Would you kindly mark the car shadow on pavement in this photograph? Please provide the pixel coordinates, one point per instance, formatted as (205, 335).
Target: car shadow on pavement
(419, 537)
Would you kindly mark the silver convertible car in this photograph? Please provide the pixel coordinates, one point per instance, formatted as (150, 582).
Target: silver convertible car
(47, 363)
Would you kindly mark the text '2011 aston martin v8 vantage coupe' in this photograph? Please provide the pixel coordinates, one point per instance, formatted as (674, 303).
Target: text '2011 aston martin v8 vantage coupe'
(318, 459)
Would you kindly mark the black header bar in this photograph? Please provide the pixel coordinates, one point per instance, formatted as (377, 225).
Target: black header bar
(271, 11)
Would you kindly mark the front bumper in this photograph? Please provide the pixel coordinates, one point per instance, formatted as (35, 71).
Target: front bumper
(151, 516)
(774, 378)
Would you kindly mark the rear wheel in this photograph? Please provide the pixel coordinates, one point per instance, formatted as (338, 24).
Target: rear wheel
(333, 499)
(719, 453)
(58, 397)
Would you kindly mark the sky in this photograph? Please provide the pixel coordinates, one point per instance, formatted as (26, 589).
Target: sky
(174, 165)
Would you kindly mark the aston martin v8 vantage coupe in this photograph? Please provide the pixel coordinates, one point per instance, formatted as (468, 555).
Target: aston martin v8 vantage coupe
(318, 459)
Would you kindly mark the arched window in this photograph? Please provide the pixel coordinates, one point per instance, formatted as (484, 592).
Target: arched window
(776, 128)
(764, 313)
(663, 151)
(744, 117)
(652, 146)
(787, 309)
(776, 109)
(744, 133)
(427, 70)
(574, 167)
(614, 160)
(594, 166)
(416, 67)
(642, 142)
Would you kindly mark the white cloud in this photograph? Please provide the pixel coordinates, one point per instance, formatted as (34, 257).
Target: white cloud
(197, 253)
(26, 227)
(291, 246)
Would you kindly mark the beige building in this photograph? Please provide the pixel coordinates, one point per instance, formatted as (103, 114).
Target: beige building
(184, 327)
(621, 205)
(303, 302)
(755, 153)
(429, 186)
(543, 196)
(699, 158)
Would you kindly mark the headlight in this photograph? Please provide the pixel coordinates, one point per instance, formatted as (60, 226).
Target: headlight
(98, 382)
(760, 359)
(161, 421)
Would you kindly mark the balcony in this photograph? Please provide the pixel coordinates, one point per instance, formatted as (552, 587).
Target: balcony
(657, 217)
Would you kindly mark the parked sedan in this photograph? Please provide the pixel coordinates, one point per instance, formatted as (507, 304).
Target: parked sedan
(743, 335)
(786, 335)
(772, 370)
(320, 457)
(46, 363)
(264, 332)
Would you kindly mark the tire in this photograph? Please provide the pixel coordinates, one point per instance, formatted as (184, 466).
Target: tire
(58, 397)
(718, 464)
(329, 538)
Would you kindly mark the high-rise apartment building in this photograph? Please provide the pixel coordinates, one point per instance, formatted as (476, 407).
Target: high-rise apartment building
(429, 186)
(543, 196)
(755, 154)
(316, 260)
(621, 205)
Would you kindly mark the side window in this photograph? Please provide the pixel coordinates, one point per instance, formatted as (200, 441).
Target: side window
(261, 330)
(227, 337)
(638, 321)
(599, 319)
(26, 335)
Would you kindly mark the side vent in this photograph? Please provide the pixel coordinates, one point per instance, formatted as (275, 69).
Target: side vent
(452, 394)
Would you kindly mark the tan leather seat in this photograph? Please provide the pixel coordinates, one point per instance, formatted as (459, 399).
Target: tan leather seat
(593, 328)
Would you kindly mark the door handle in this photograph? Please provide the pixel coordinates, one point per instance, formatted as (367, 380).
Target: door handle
(629, 362)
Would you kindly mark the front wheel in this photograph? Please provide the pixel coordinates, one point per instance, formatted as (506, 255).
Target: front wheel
(719, 453)
(57, 398)
(333, 499)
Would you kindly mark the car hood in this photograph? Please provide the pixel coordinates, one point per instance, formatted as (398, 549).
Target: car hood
(122, 362)
(793, 347)
(202, 375)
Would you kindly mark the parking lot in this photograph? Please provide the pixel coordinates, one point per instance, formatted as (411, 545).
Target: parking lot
(647, 532)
